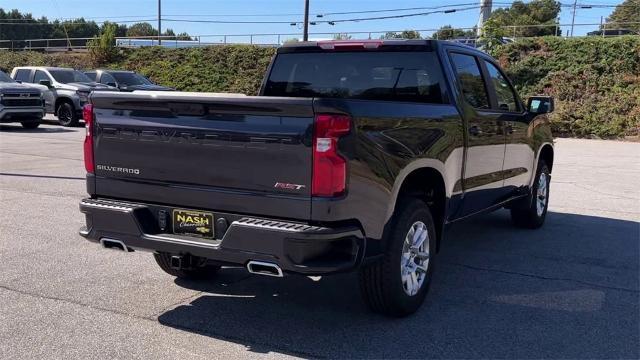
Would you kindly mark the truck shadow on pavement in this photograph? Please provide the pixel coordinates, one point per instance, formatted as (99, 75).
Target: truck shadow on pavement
(567, 290)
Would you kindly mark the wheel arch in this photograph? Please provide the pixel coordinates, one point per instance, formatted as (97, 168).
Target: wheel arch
(428, 184)
(546, 154)
(60, 100)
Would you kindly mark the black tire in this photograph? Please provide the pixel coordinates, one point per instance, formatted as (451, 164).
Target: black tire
(67, 115)
(526, 214)
(198, 269)
(381, 282)
(30, 124)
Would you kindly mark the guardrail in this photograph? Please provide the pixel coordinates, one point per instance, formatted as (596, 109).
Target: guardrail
(271, 39)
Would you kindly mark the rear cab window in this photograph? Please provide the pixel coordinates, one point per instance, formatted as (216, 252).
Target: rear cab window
(411, 76)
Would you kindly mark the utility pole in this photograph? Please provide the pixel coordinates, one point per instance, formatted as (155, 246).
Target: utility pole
(159, 22)
(305, 35)
(485, 12)
(573, 18)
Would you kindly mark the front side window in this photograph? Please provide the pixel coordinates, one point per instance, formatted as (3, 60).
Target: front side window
(23, 75)
(470, 80)
(40, 75)
(106, 78)
(129, 79)
(379, 75)
(5, 78)
(91, 75)
(507, 99)
(69, 76)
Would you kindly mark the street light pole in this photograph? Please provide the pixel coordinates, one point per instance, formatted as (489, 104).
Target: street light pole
(305, 35)
(573, 18)
(159, 23)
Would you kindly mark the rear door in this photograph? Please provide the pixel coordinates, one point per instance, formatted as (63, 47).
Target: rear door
(238, 154)
(483, 178)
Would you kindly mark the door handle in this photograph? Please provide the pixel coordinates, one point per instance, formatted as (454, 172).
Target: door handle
(475, 131)
(509, 127)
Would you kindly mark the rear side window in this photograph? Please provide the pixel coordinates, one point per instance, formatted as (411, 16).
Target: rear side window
(23, 75)
(391, 76)
(91, 75)
(470, 80)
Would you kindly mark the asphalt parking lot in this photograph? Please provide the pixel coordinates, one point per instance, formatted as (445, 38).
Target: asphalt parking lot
(568, 290)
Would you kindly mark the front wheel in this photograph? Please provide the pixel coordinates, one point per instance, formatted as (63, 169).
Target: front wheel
(67, 115)
(398, 283)
(533, 211)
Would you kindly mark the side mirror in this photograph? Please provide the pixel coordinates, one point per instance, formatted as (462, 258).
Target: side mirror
(111, 84)
(46, 83)
(540, 104)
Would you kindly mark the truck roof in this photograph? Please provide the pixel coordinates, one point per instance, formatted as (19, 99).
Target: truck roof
(368, 44)
(44, 68)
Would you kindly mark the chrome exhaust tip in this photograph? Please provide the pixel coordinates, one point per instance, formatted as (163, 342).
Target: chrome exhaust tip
(264, 268)
(114, 245)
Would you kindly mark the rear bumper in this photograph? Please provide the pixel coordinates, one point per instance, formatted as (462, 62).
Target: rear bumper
(295, 247)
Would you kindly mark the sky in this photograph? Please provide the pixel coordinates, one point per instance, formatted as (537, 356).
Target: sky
(279, 10)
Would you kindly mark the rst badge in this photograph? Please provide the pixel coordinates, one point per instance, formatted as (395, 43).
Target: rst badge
(287, 186)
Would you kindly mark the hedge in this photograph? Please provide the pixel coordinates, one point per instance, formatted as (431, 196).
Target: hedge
(595, 81)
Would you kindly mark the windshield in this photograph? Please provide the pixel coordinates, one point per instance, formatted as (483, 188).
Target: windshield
(388, 76)
(129, 79)
(5, 78)
(69, 76)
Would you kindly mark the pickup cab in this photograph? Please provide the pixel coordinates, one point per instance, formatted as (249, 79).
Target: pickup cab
(355, 156)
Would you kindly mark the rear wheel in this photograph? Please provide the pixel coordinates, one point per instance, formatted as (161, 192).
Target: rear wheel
(192, 267)
(531, 213)
(67, 115)
(398, 283)
(30, 125)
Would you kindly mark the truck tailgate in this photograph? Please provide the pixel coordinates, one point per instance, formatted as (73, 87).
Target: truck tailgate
(248, 155)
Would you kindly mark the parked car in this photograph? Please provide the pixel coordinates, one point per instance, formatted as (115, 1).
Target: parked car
(355, 155)
(124, 80)
(67, 90)
(20, 103)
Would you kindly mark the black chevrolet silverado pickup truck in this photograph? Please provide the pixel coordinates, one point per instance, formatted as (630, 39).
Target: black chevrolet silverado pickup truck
(356, 155)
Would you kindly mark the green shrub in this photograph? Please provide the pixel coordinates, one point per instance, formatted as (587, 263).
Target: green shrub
(595, 81)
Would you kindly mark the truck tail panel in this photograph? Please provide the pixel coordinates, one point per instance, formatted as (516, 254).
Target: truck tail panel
(245, 154)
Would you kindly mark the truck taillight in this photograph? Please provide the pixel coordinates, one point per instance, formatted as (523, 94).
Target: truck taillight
(87, 116)
(329, 168)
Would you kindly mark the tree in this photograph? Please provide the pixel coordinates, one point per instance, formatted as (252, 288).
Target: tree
(141, 29)
(121, 29)
(407, 34)
(536, 12)
(625, 13)
(103, 49)
(448, 32)
(75, 28)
